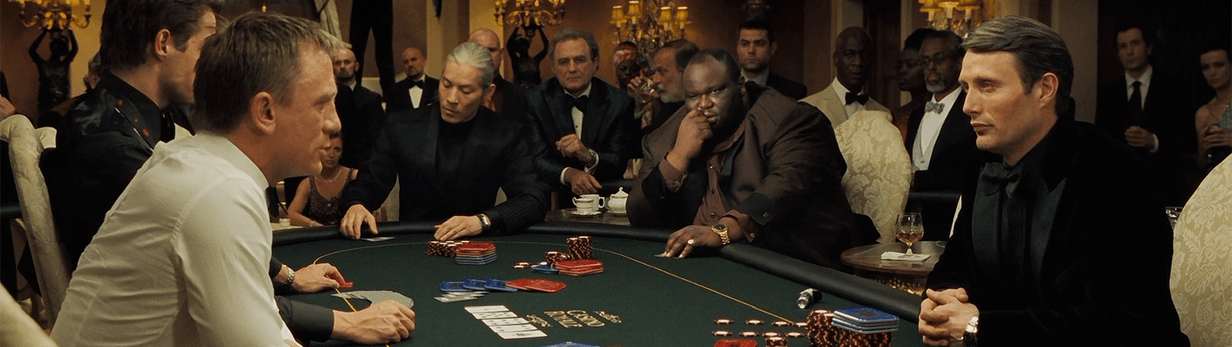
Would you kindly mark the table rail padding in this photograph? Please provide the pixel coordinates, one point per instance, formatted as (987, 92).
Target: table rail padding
(833, 282)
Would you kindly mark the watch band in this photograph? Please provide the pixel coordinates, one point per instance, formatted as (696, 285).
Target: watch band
(290, 278)
(721, 230)
(973, 329)
(485, 221)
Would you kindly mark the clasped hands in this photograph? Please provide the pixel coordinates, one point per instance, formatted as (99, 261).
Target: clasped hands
(580, 182)
(944, 316)
(1138, 137)
(454, 228)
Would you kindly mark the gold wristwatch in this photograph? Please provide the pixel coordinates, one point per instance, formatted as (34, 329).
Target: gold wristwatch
(721, 229)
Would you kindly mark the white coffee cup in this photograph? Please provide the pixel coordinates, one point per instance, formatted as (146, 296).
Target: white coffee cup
(584, 205)
(599, 201)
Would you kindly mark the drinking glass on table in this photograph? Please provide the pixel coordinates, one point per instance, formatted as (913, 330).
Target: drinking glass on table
(909, 229)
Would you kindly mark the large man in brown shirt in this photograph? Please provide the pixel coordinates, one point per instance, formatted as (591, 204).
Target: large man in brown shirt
(744, 164)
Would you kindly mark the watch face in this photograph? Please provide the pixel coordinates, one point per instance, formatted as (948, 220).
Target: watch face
(720, 227)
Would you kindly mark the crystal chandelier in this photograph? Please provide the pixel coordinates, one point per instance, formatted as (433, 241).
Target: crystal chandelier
(530, 13)
(972, 17)
(51, 14)
(649, 23)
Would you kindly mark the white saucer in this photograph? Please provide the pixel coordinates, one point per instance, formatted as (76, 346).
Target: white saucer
(618, 213)
(585, 214)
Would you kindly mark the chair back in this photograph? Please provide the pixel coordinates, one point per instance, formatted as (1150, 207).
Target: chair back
(25, 148)
(1201, 278)
(879, 173)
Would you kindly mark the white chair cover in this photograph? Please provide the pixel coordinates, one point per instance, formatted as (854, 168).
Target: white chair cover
(879, 170)
(1201, 278)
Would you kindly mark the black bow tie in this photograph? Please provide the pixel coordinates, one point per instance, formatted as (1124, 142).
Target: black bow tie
(580, 102)
(418, 83)
(997, 175)
(853, 97)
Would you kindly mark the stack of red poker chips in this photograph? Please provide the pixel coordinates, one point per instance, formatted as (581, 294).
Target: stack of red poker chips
(581, 267)
(552, 257)
(448, 249)
(475, 253)
(580, 247)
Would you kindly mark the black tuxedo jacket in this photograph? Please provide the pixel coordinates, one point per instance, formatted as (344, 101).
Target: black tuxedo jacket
(791, 89)
(360, 113)
(955, 141)
(1168, 115)
(496, 158)
(607, 128)
(1100, 262)
(511, 98)
(398, 98)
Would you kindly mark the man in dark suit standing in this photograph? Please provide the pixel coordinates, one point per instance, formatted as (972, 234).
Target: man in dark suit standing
(417, 89)
(756, 47)
(1146, 111)
(509, 99)
(582, 129)
(1039, 252)
(939, 136)
(359, 110)
(451, 158)
(744, 164)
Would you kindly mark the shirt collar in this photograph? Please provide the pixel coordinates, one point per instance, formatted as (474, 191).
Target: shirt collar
(950, 98)
(584, 92)
(760, 80)
(1145, 79)
(351, 84)
(225, 149)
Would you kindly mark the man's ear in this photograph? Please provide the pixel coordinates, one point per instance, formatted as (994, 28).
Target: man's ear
(1048, 86)
(261, 113)
(774, 46)
(163, 44)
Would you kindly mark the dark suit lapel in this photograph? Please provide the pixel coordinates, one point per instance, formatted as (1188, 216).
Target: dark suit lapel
(560, 105)
(430, 92)
(1060, 161)
(913, 126)
(955, 129)
(596, 115)
(425, 142)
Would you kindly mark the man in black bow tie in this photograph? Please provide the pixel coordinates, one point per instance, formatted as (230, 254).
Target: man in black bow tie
(1051, 246)
(938, 135)
(418, 89)
(582, 129)
(853, 59)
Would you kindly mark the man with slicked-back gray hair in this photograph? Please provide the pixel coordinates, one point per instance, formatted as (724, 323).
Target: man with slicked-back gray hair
(1050, 248)
(450, 159)
(180, 259)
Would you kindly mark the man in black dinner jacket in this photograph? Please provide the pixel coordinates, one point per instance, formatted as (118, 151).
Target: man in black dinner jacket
(451, 158)
(417, 90)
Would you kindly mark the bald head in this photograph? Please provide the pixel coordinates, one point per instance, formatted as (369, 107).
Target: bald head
(344, 65)
(413, 62)
(489, 39)
(853, 58)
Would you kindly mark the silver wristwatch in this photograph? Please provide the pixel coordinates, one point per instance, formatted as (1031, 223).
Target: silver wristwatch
(973, 328)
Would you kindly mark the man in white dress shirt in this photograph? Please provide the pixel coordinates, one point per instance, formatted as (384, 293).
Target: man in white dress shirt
(182, 257)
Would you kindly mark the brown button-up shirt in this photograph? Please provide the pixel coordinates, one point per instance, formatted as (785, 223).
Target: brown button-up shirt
(713, 207)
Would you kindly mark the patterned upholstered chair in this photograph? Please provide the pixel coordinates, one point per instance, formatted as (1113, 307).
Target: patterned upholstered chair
(25, 147)
(1201, 279)
(879, 171)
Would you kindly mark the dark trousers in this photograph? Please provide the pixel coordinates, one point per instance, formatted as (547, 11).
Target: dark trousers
(377, 16)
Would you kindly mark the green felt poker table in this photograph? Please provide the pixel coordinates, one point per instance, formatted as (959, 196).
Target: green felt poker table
(659, 301)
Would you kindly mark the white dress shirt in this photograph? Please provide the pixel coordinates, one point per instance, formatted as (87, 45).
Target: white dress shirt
(842, 91)
(577, 129)
(182, 258)
(1145, 79)
(760, 79)
(930, 127)
(416, 92)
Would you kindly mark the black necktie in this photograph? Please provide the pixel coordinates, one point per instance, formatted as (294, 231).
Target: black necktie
(1013, 218)
(853, 97)
(1135, 102)
(418, 83)
(580, 103)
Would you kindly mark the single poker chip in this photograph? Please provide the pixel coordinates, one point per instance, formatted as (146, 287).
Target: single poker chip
(795, 334)
(779, 323)
(527, 263)
(754, 322)
(802, 324)
(723, 321)
(748, 334)
(721, 333)
(520, 266)
(771, 334)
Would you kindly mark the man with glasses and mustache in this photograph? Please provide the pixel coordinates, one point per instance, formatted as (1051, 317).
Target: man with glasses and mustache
(938, 136)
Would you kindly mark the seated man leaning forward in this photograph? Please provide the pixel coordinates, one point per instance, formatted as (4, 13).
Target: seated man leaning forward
(181, 258)
(451, 158)
(1049, 249)
(744, 164)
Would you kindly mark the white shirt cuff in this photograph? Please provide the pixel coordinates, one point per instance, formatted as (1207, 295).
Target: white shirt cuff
(1156, 147)
(562, 176)
(590, 169)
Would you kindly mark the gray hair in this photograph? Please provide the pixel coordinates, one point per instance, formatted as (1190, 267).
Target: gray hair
(573, 34)
(1037, 48)
(257, 52)
(475, 55)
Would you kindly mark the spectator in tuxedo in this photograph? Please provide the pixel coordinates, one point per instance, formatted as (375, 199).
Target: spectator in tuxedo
(450, 159)
(853, 59)
(666, 93)
(417, 89)
(939, 135)
(359, 109)
(582, 129)
(911, 78)
(509, 99)
(1142, 110)
(1214, 119)
(755, 46)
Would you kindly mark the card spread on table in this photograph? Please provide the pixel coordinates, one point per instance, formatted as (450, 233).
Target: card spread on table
(494, 315)
(505, 321)
(376, 296)
(512, 328)
(486, 308)
(514, 335)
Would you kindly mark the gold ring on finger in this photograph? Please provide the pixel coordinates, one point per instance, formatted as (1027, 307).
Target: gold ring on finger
(690, 242)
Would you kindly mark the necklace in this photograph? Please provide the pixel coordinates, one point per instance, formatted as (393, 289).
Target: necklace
(331, 179)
